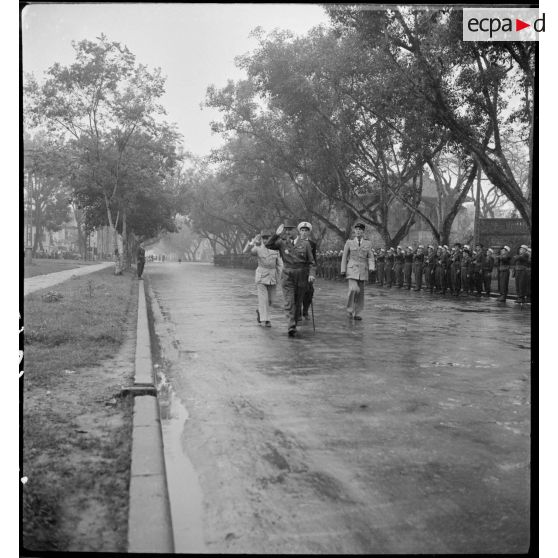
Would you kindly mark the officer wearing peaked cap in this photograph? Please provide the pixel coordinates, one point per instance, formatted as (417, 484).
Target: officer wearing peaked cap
(418, 262)
(380, 267)
(357, 260)
(520, 273)
(299, 268)
(408, 267)
(398, 267)
(304, 229)
(390, 260)
(504, 263)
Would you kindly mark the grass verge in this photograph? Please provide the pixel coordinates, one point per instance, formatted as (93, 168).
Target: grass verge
(79, 353)
(42, 266)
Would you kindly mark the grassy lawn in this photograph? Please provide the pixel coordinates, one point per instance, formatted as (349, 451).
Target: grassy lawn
(41, 266)
(79, 353)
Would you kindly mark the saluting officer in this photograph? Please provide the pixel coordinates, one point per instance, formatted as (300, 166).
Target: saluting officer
(504, 262)
(520, 273)
(380, 267)
(398, 267)
(267, 275)
(438, 269)
(529, 275)
(466, 267)
(455, 269)
(299, 268)
(478, 261)
(358, 259)
(390, 262)
(408, 267)
(418, 263)
(487, 267)
(429, 266)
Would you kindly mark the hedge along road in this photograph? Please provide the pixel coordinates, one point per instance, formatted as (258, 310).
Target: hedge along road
(408, 432)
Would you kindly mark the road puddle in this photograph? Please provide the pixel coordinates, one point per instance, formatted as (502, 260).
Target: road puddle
(185, 493)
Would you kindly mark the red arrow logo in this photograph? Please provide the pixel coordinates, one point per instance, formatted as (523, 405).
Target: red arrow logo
(519, 25)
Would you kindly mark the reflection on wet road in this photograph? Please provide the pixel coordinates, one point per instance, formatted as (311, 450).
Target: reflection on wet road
(406, 432)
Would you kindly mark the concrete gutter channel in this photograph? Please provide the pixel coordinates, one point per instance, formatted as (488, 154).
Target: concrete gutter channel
(149, 518)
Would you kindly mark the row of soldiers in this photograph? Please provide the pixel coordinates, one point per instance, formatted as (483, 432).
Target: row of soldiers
(459, 270)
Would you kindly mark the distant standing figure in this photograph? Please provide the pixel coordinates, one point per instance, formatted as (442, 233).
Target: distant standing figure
(504, 263)
(358, 259)
(140, 256)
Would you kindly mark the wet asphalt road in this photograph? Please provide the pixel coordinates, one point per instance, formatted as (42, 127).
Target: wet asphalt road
(408, 432)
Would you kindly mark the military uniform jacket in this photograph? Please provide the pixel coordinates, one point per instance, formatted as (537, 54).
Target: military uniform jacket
(268, 268)
(357, 260)
(294, 256)
(504, 263)
(521, 261)
(488, 264)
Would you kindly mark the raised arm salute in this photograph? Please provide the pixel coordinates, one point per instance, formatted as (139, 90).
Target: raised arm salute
(299, 268)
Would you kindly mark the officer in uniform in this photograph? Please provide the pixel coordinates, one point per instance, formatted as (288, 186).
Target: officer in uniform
(418, 263)
(445, 262)
(466, 267)
(429, 266)
(299, 268)
(520, 273)
(408, 267)
(438, 270)
(455, 269)
(398, 267)
(380, 267)
(529, 275)
(390, 262)
(478, 261)
(267, 275)
(487, 267)
(358, 259)
(504, 262)
(304, 230)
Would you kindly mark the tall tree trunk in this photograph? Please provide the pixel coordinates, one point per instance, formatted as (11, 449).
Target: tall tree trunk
(126, 262)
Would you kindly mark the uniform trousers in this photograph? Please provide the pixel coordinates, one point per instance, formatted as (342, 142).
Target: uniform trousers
(355, 302)
(417, 270)
(398, 272)
(380, 274)
(487, 281)
(266, 298)
(503, 281)
(407, 274)
(307, 299)
(455, 275)
(294, 283)
(389, 275)
(141, 265)
(521, 282)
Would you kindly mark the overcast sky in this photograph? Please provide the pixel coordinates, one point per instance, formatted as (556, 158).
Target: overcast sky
(193, 44)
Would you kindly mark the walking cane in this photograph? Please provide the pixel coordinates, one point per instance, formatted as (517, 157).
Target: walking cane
(312, 309)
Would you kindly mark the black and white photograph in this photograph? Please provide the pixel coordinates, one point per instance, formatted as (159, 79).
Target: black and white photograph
(279, 272)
